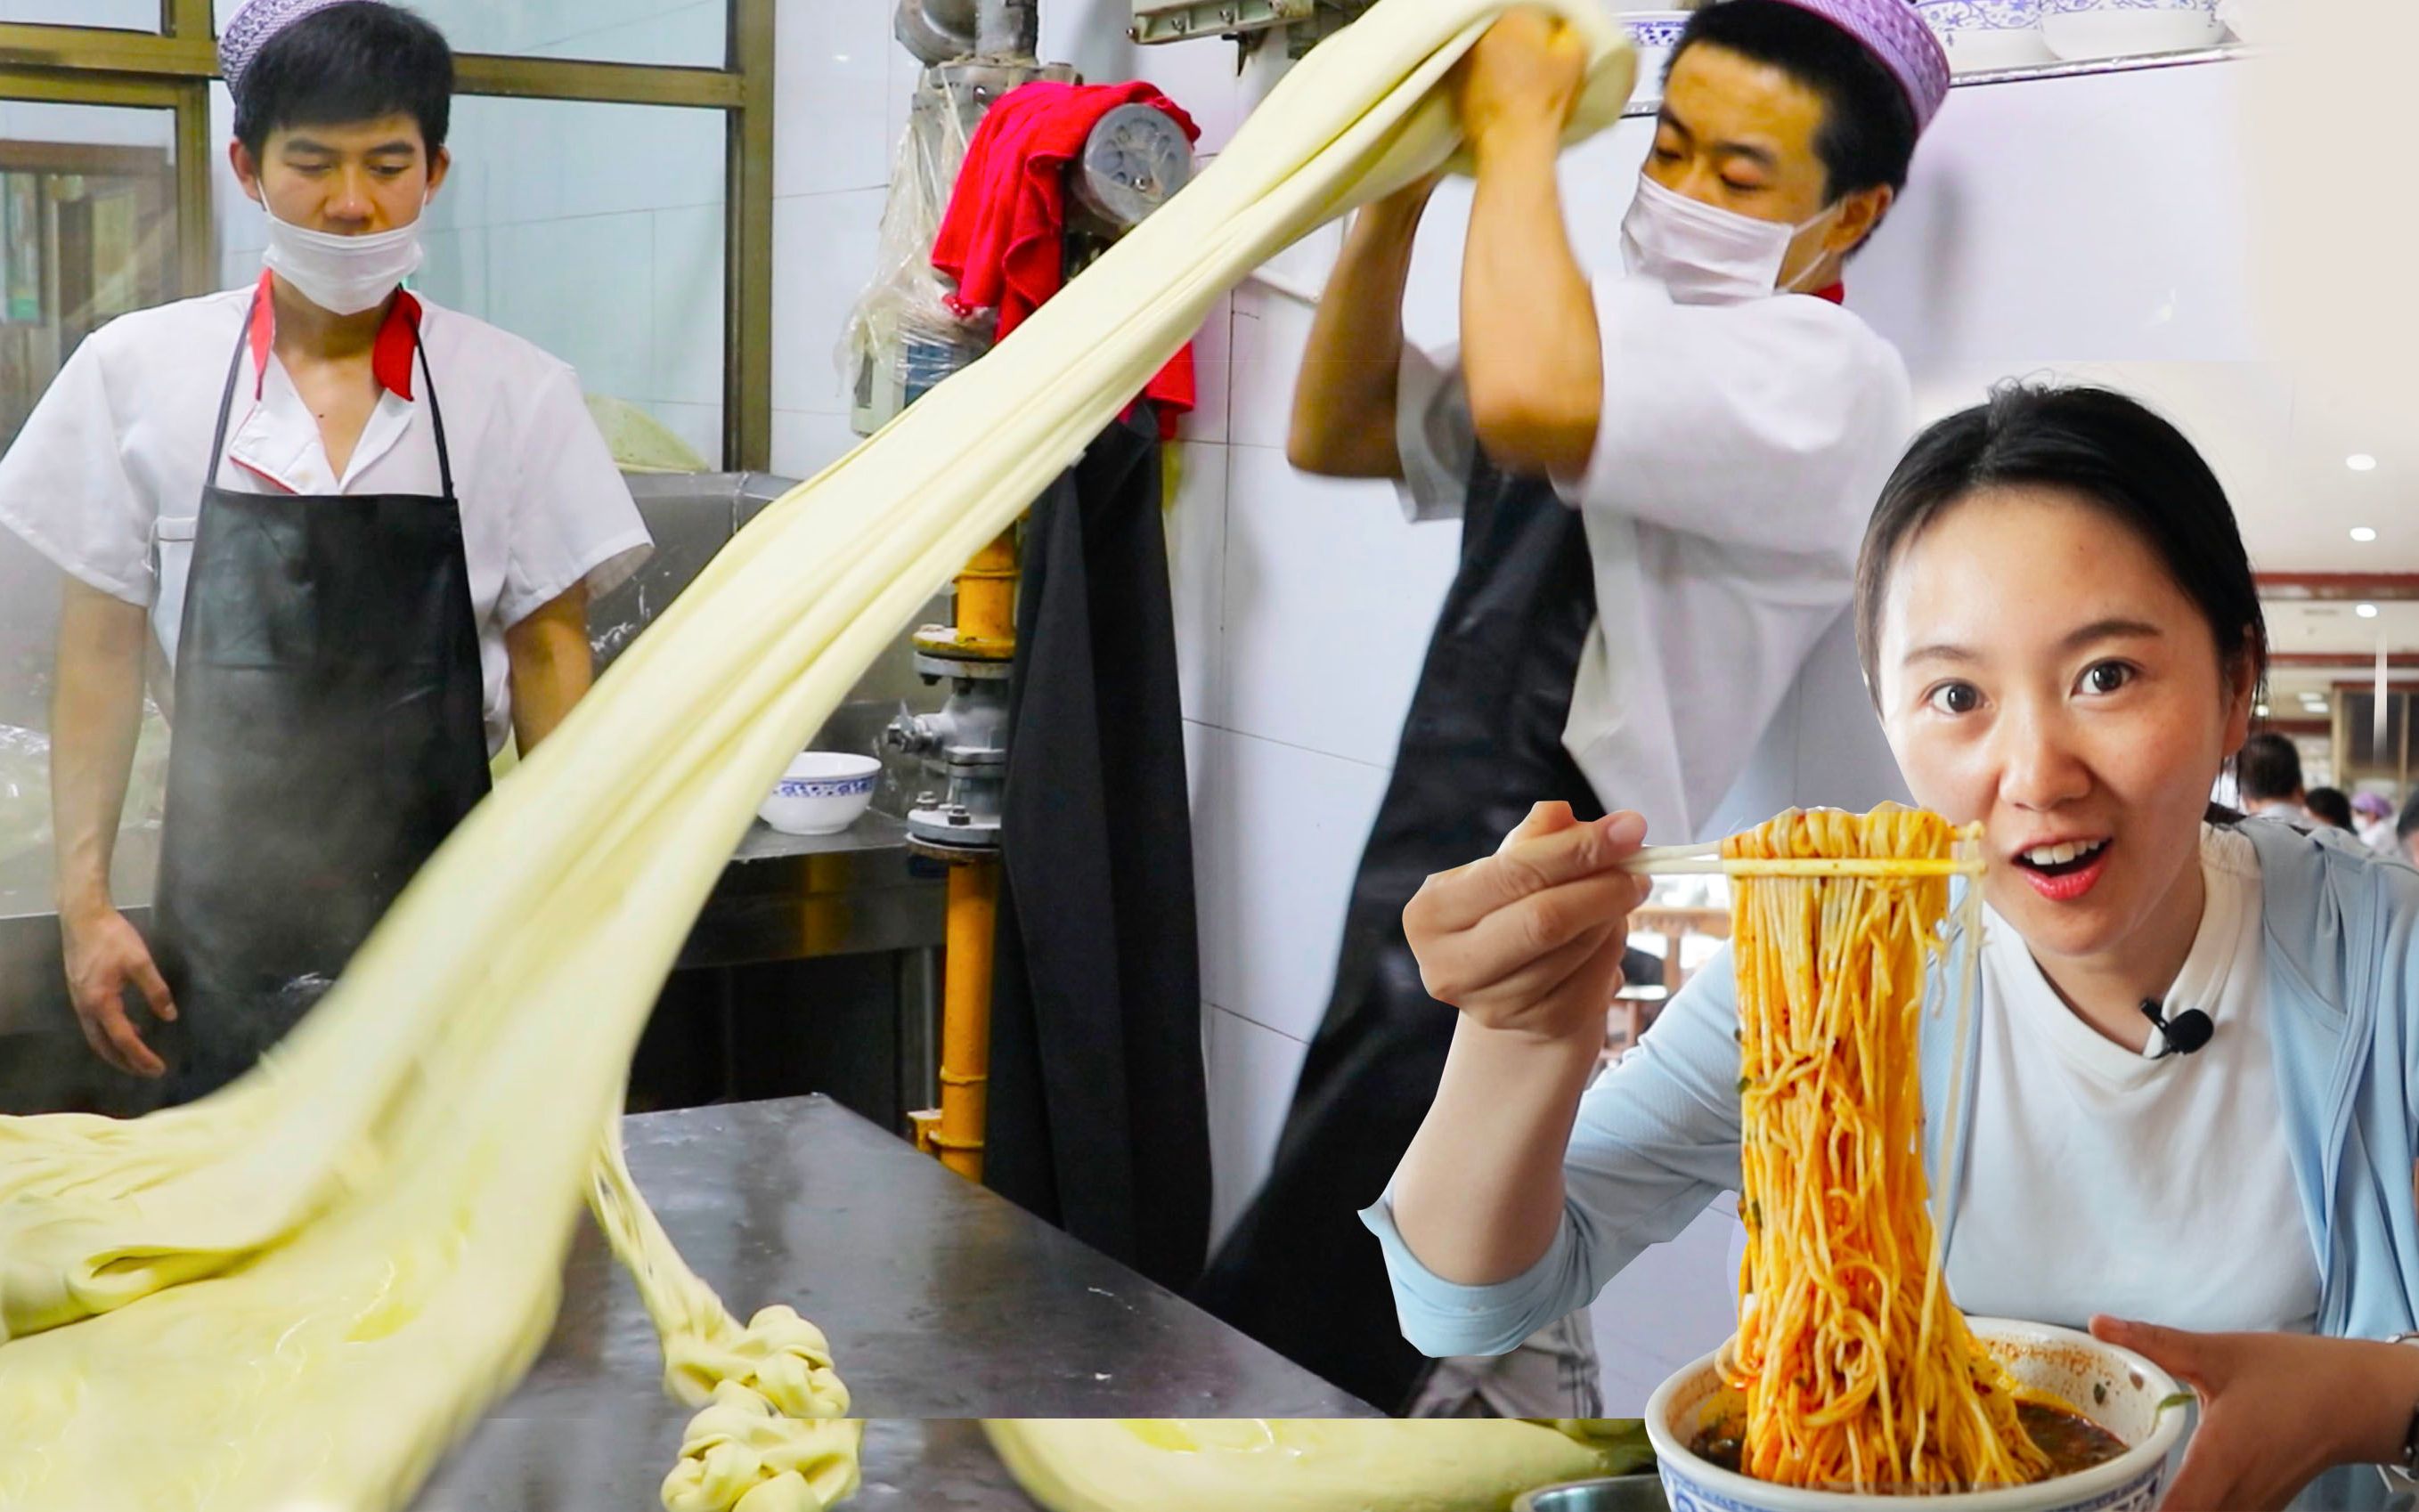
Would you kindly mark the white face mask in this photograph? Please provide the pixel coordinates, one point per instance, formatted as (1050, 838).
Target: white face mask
(344, 275)
(1706, 255)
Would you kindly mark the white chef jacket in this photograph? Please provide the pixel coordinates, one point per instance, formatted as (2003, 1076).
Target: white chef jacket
(106, 477)
(1740, 452)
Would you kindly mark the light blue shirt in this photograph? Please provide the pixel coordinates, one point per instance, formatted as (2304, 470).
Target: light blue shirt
(1657, 1137)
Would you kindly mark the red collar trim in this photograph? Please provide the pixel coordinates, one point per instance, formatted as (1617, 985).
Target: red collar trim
(1837, 294)
(391, 355)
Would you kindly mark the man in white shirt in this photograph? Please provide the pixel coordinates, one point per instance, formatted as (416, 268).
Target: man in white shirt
(1663, 480)
(357, 530)
(2268, 773)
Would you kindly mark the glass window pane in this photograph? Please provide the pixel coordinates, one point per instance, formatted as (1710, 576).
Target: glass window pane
(686, 33)
(87, 233)
(116, 15)
(594, 230)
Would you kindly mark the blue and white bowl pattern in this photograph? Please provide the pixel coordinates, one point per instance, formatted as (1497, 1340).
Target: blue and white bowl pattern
(1654, 32)
(844, 787)
(2071, 8)
(1987, 34)
(2139, 1495)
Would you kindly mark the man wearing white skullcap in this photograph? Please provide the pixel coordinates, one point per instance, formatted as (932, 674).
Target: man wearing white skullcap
(1661, 453)
(358, 533)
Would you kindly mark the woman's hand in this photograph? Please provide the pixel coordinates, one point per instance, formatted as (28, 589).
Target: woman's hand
(1529, 941)
(2276, 1409)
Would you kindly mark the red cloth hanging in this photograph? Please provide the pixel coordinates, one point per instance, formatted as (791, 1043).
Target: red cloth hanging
(1001, 239)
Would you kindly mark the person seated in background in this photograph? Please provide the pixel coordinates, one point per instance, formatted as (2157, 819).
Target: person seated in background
(2406, 831)
(2269, 776)
(2329, 807)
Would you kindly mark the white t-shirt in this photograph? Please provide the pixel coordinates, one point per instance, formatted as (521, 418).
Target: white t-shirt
(1740, 452)
(106, 477)
(2103, 1180)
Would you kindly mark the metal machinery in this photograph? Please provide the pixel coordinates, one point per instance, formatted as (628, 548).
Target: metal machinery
(1305, 21)
(975, 52)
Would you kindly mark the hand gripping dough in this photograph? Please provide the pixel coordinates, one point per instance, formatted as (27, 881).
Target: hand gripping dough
(298, 1292)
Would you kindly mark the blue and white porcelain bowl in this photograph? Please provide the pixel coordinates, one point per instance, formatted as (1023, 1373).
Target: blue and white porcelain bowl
(2081, 30)
(1988, 34)
(2115, 1388)
(823, 793)
(1654, 35)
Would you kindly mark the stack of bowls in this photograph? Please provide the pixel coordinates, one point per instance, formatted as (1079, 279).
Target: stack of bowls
(1982, 35)
(2082, 30)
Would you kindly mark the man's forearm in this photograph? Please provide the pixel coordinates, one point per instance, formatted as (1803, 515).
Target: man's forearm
(552, 667)
(1530, 350)
(96, 718)
(1344, 403)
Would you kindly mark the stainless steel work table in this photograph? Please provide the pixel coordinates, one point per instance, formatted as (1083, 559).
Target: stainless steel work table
(941, 1301)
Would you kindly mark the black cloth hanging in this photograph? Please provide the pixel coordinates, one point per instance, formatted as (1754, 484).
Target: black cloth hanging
(1097, 1115)
(1482, 743)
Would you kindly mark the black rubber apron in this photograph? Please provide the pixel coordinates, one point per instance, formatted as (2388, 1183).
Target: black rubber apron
(1483, 742)
(329, 734)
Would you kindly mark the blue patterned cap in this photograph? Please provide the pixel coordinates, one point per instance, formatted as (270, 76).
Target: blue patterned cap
(251, 30)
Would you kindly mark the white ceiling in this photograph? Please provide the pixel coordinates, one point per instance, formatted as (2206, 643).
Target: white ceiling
(2279, 444)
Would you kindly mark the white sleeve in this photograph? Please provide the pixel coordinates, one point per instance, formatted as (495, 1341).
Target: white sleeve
(574, 519)
(1433, 435)
(1770, 423)
(64, 487)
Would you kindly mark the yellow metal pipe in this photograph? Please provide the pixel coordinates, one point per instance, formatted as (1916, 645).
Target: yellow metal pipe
(965, 1016)
(987, 597)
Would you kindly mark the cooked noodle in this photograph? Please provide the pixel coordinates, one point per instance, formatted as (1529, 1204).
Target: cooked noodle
(1860, 1373)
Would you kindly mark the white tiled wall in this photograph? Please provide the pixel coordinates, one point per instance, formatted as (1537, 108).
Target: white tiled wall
(594, 230)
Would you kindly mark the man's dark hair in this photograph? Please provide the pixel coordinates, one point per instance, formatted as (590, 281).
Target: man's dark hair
(1869, 127)
(2328, 804)
(2269, 769)
(351, 62)
(2407, 824)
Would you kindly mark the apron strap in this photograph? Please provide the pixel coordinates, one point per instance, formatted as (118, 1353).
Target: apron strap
(226, 393)
(436, 416)
(234, 366)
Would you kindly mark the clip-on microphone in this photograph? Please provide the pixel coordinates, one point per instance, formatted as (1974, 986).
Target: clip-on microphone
(2183, 1033)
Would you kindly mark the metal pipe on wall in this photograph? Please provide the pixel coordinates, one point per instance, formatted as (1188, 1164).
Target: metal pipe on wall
(1006, 28)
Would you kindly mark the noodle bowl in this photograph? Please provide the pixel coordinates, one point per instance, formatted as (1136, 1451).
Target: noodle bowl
(2114, 1388)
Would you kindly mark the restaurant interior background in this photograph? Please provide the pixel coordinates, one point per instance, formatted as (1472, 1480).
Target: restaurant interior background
(682, 198)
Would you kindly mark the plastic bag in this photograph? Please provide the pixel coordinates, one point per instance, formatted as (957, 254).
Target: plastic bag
(904, 309)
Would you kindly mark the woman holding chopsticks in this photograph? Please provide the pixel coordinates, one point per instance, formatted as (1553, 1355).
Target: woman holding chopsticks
(2194, 1076)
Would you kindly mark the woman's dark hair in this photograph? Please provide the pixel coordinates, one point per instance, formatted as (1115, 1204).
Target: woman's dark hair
(2329, 803)
(1869, 128)
(351, 62)
(2103, 449)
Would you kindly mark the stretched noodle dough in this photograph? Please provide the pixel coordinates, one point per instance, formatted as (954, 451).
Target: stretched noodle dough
(1285, 1464)
(298, 1292)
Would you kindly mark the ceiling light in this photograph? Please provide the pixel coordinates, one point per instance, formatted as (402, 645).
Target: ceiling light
(2366, 611)
(2363, 533)
(2361, 462)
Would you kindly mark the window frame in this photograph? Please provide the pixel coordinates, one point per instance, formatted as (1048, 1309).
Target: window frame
(173, 69)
